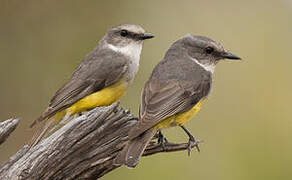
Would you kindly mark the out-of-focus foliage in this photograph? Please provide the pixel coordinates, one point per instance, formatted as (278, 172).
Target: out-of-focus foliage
(246, 122)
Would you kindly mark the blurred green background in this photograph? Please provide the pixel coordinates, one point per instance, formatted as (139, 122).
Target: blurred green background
(246, 123)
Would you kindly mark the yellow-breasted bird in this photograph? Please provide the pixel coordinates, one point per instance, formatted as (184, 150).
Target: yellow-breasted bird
(175, 92)
(101, 78)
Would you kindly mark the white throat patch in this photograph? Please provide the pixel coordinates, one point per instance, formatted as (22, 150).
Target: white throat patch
(207, 67)
(132, 50)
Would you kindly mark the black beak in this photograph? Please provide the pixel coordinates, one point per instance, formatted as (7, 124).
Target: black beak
(228, 55)
(146, 36)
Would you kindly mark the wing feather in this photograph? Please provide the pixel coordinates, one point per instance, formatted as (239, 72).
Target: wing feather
(93, 74)
(161, 103)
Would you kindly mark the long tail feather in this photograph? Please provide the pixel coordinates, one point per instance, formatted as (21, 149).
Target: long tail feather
(40, 133)
(45, 115)
(132, 152)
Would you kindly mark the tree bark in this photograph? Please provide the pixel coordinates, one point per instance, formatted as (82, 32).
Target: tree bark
(6, 128)
(84, 148)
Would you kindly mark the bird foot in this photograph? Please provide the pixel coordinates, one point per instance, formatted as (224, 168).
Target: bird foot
(193, 143)
(126, 111)
(161, 139)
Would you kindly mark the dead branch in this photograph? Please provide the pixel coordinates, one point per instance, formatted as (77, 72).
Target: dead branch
(6, 128)
(82, 149)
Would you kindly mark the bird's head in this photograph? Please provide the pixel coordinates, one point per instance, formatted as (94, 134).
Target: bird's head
(126, 34)
(205, 50)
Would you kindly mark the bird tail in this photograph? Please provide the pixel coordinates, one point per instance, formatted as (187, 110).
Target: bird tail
(48, 124)
(40, 133)
(134, 149)
(46, 114)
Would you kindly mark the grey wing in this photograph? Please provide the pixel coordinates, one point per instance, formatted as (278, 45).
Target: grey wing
(89, 77)
(74, 91)
(162, 101)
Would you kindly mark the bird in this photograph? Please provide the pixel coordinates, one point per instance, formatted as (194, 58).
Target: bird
(101, 79)
(174, 93)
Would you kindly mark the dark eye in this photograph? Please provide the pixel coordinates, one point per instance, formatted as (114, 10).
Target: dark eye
(209, 50)
(124, 33)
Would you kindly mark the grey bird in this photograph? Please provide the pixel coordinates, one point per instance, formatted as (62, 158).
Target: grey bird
(174, 93)
(102, 77)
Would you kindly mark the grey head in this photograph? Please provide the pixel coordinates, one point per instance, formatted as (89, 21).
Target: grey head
(125, 34)
(203, 50)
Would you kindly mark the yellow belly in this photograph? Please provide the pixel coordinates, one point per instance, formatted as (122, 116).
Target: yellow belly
(181, 118)
(104, 97)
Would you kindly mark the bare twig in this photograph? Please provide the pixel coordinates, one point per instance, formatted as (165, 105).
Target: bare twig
(6, 128)
(83, 149)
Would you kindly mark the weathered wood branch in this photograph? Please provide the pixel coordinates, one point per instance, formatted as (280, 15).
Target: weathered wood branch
(82, 149)
(6, 128)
